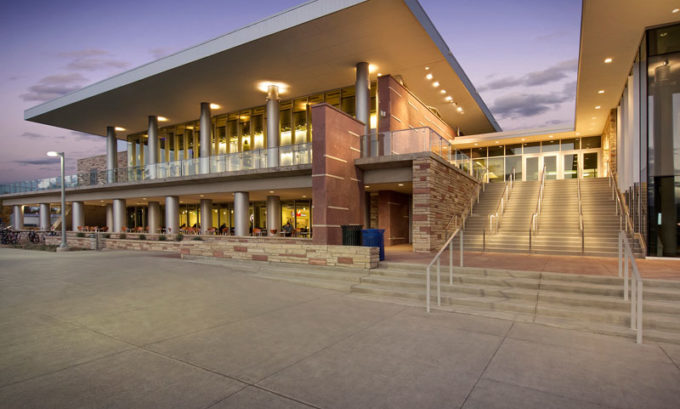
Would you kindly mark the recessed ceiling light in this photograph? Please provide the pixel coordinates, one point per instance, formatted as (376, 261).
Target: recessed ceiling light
(215, 106)
(372, 68)
(524, 139)
(496, 141)
(162, 119)
(435, 84)
(304, 196)
(600, 91)
(608, 60)
(550, 136)
(119, 128)
(442, 91)
(476, 144)
(367, 187)
(379, 74)
(144, 198)
(675, 10)
(202, 195)
(459, 109)
(271, 191)
(578, 133)
(663, 34)
(400, 184)
(449, 98)
(598, 107)
(427, 68)
(428, 76)
(101, 201)
(282, 86)
(181, 201)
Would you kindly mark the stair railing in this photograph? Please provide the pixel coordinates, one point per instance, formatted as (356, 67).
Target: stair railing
(580, 216)
(437, 259)
(625, 218)
(495, 217)
(533, 222)
(626, 258)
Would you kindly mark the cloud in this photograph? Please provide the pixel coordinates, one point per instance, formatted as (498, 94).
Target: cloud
(157, 53)
(554, 73)
(81, 136)
(54, 86)
(91, 60)
(526, 105)
(37, 162)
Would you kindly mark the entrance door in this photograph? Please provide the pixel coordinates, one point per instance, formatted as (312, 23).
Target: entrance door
(530, 169)
(550, 163)
(533, 165)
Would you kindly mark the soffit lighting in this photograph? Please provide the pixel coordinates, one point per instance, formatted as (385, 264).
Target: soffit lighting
(476, 144)
(372, 68)
(264, 86)
(598, 107)
(435, 84)
(459, 109)
(215, 106)
(550, 136)
(367, 187)
(442, 91)
(524, 139)
(162, 119)
(304, 196)
(202, 195)
(675, 11)
(449, 98)
(496, 141)
(400, 184)
(428, 76)
(427, 68)
(600, 91)
(379, 74)
(119, 128)
(608, 60)
(271, 191)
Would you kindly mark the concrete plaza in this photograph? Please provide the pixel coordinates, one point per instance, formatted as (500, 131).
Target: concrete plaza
(119, 329)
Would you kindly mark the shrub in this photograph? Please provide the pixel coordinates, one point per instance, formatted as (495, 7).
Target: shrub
(197, 238)
(142, 236)
(122, 236)
(162, 237)
(80, 234)
(179, 237)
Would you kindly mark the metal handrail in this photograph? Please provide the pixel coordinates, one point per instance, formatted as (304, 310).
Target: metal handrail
(580, 216)
(534, 217)
(437, 259)
(626, 257)
(625, 218)
(495, 217)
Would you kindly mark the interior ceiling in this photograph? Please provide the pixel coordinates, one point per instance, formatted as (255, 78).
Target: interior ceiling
(311, 57)
(611, 29)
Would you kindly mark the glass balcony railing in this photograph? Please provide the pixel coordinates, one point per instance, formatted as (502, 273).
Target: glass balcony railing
(289, 155)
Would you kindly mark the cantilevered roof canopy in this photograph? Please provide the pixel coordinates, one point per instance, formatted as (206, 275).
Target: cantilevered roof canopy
(611, 29)
(312, 48)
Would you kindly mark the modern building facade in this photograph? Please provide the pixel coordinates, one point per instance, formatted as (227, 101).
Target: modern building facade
(374, 123)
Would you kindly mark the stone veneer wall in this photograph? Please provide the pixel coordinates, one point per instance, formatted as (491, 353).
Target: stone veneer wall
(440, 191)
(99, 162)
(294, 251)
(337, 185)
(373, 209)
(403, 110)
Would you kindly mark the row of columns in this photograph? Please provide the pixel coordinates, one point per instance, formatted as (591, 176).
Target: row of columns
(116, 214)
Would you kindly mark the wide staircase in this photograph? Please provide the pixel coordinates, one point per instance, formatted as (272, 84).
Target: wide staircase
(585, 302)
(558, 223)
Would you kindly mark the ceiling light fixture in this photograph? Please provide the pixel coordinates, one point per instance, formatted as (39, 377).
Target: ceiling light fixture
(459, 109)
(400, 184)
(608, 60)
(675, 10)
(271, 191)
(372, 68)
(435, 84)
(600, 91)
(449, 98)
(162, 119)
(264, 86)
(427, 68)
(215, 106)
(119, 128)
(428, 76)
(442, 91)
(598, 107)
(367, 187)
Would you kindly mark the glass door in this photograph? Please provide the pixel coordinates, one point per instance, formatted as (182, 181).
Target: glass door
(570, 165)
(550, 163)
(590, 164)
(530, 169)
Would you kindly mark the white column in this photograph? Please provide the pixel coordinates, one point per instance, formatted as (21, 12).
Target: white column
(273, 126)
(45, 220)
(172, 214)
(363, 102)
(241, 214)
(111, 154)
(204, 138)
(206, 215)
(18, 213)
(109, 217)
(119, 216)
(154, 217)
(273, 214)
(78, 215)
(153, 146)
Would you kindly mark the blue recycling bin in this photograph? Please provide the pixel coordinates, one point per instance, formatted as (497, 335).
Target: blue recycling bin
(374, 238)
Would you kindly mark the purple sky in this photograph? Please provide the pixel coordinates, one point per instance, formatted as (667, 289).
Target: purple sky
(521, 55)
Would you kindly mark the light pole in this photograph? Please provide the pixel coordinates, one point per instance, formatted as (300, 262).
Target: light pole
(63, 198)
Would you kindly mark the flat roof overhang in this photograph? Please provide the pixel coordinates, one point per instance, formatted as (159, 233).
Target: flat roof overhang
(611, 29)
(513, 137)
(312, 48)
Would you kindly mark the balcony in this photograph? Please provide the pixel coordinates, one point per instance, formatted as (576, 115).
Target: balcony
(290, 155)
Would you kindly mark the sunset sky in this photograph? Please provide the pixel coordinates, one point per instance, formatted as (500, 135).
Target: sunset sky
(521, 55)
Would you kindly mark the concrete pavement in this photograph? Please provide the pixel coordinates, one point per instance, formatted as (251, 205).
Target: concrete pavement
(135, 330)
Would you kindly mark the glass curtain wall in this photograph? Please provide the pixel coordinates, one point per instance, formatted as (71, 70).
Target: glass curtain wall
(659, 65)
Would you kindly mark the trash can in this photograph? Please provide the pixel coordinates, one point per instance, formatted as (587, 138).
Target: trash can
(351, 234)
(374, 238)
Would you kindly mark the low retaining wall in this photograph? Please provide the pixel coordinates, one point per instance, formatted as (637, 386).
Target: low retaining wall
(89, 243)
(275, 251)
